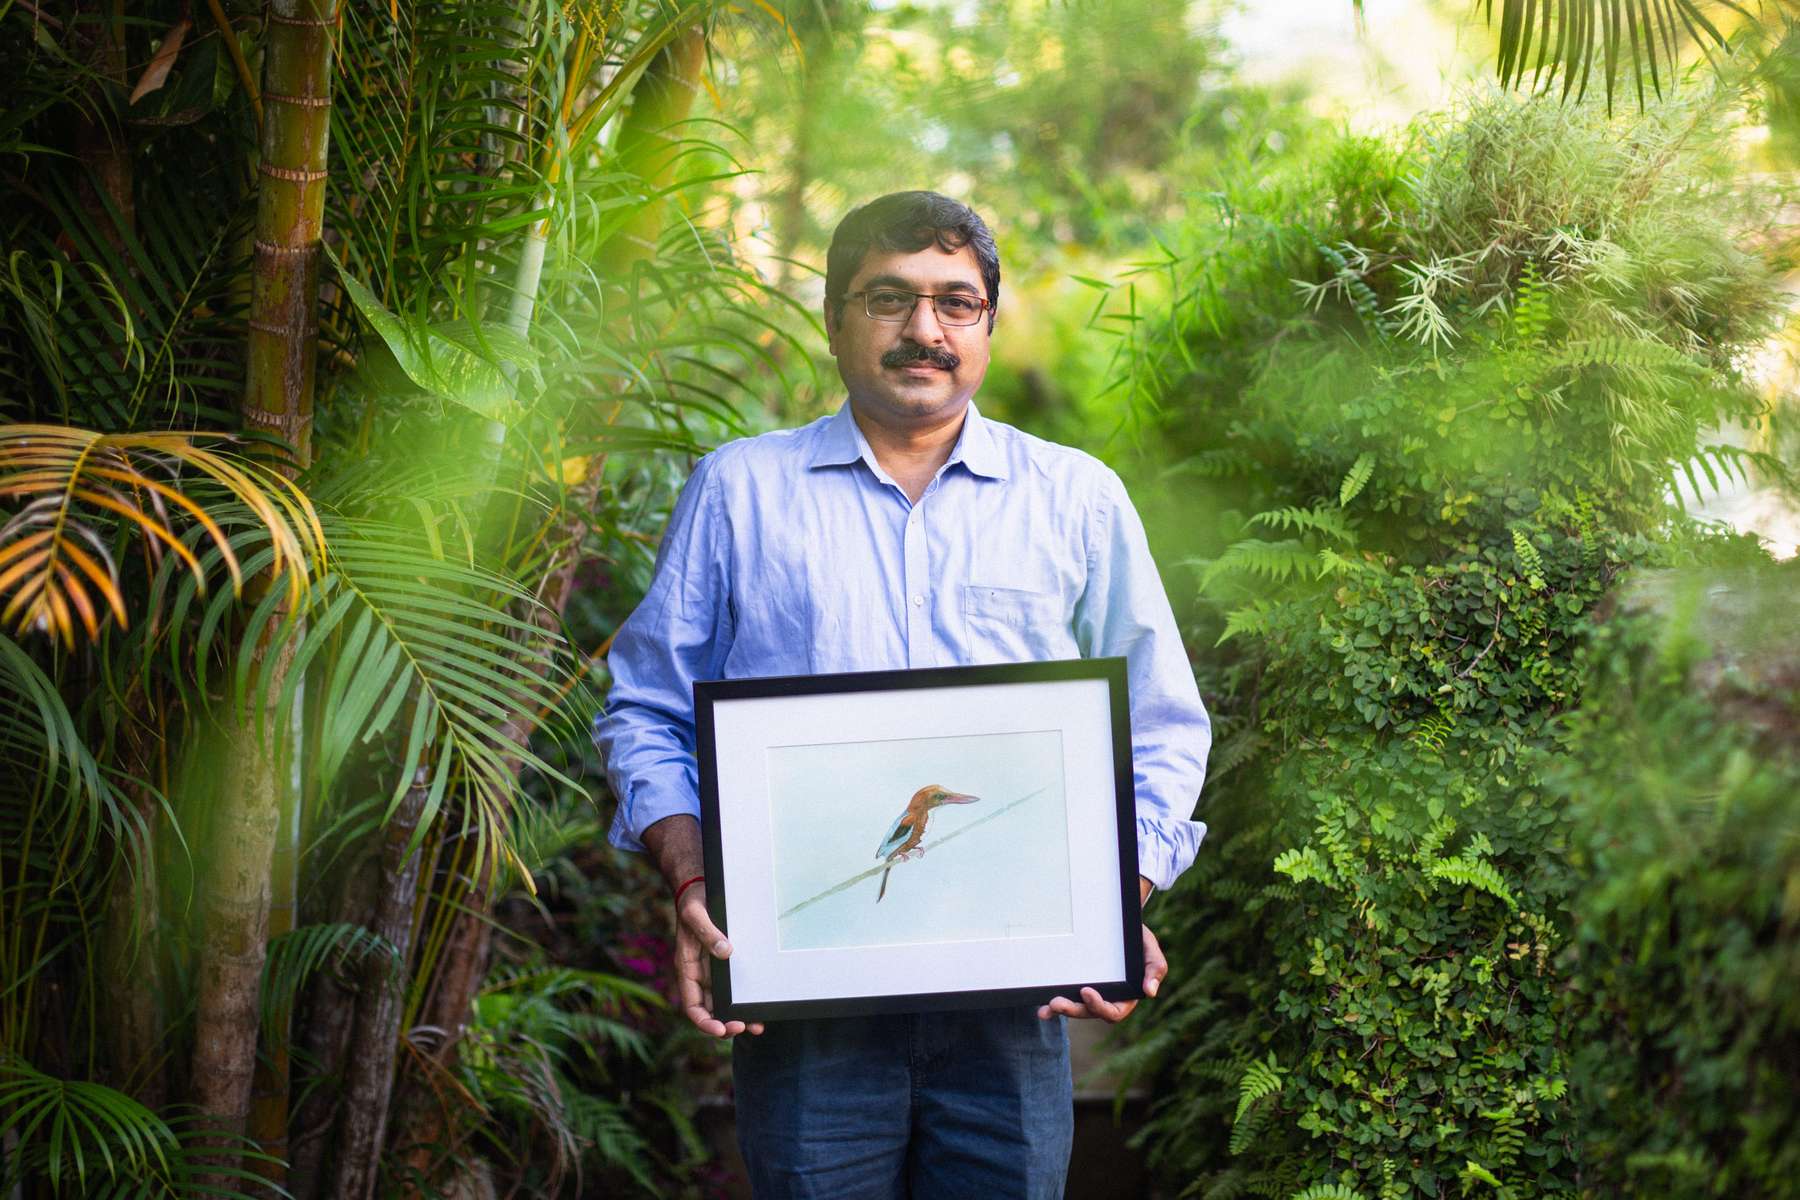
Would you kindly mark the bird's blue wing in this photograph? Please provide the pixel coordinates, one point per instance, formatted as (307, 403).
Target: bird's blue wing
(896, 835)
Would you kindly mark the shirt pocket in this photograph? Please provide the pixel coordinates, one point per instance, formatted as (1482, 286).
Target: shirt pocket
(1015, 625)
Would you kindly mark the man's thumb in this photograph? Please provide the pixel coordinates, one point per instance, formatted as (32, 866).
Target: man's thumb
(694, 916)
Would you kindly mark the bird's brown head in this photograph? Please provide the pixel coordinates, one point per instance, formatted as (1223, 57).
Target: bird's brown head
(934, 795)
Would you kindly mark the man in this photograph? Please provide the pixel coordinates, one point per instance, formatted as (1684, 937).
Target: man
(905, 531)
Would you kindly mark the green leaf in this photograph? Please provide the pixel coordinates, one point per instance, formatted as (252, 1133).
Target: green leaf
(455, 361)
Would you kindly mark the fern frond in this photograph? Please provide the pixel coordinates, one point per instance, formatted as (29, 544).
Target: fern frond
(1332, 563)
(1260, 1080)
(1328, 1191)
(1306, 520)
(1356, 478)
(1434, 729)
(1531, 304)
(1222, 462)
(1275, 562)
(1471, 872)
(1232, 752)
(1619, 352)
(1530, 562)
(1252, 619)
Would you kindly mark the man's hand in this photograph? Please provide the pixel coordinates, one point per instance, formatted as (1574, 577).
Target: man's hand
(1112, 1012)
(697, 942)
(675, 844)
(1155, 968)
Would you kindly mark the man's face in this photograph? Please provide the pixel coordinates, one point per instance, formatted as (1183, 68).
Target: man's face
(915, 371)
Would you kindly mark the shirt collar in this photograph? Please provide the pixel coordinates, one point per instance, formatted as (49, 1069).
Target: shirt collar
(976, 449)
(840, 442)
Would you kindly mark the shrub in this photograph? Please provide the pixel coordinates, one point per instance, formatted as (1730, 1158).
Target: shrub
(1431, 391)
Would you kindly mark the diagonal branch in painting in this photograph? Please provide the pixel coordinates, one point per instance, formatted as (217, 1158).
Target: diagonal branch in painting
(880, 867)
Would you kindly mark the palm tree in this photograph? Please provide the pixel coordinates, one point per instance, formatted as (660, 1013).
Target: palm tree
(439, 230)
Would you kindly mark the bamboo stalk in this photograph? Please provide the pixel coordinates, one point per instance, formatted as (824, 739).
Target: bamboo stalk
(268, 1123)
(278, 400)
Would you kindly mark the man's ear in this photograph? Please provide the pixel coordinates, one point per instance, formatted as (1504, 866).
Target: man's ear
(831, 326)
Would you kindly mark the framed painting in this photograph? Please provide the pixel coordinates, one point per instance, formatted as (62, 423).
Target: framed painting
(900, 841)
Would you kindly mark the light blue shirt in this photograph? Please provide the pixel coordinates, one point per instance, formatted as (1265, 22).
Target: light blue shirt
(794, 553)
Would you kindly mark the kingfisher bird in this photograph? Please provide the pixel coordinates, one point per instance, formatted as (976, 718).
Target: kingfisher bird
(902, 840)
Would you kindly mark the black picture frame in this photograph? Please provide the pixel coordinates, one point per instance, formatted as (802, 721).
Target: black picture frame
(1101, 842)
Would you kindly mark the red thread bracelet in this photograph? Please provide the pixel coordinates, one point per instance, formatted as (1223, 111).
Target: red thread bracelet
(684, 887)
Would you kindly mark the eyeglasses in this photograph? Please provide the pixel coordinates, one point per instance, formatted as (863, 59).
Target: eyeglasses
(894, 304)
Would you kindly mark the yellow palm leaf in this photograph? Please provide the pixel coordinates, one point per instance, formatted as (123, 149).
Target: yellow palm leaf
(57, 570)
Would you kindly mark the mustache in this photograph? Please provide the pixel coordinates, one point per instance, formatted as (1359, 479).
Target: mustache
(906, 356)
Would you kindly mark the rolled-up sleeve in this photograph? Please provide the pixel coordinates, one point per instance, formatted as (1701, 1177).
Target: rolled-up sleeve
(1124, 611)
(679, 633)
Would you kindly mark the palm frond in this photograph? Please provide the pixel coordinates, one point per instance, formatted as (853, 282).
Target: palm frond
(1545, 38)
(142, 316)
(40, 742)
(406, 643)
(295, 955)
(74, 1131)
(489, 68)
(79, 487)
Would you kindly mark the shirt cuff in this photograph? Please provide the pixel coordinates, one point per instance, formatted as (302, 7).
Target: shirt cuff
(1166, 848)
(643, 805)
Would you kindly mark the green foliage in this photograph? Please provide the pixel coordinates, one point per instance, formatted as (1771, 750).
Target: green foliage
(1680, 780)
(1458, 371)
(81, 1129)
(479, 430)
(581, 1070)
(86, 1139)
(530, 1029)
(294, 956)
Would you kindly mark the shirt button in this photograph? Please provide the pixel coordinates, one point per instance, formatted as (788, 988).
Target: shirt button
(918, 601)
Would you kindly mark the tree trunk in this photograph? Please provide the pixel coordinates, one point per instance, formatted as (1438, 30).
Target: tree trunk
(325, 1041)
(269, 1086)
(425, 1128)
(368, 1086)
(131, 961)
(278, 400)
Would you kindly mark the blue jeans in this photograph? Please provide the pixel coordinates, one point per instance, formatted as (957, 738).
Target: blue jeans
(926, 1106)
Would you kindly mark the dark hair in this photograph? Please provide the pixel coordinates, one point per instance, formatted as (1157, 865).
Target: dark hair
(907, 222)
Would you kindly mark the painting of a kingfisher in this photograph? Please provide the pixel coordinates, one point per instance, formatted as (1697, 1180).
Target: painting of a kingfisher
(903, 838)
